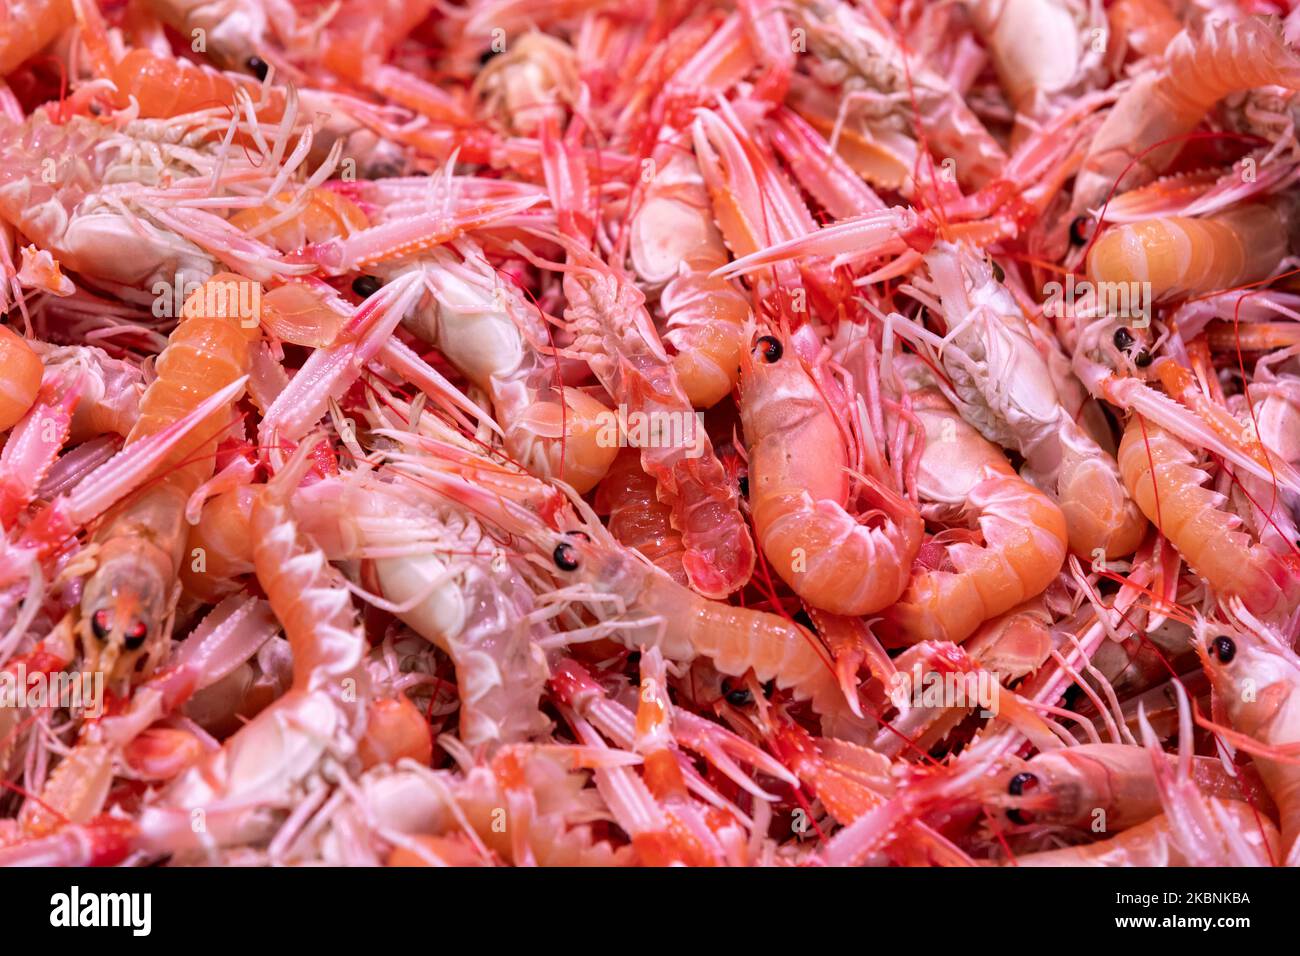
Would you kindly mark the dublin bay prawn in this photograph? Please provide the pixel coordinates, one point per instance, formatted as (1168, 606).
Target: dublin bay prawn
(138, 550)
(798, 500)
(1168, 483)
(607, 314)
(675, 248)
(1021, 540)
(754, 433)
(641, 605)
(1180, 256)
(1141, 133)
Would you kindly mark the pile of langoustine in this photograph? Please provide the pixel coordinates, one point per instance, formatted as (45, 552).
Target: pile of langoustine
(802, 432)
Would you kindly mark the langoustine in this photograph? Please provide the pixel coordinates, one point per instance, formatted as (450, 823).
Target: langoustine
(740, 478)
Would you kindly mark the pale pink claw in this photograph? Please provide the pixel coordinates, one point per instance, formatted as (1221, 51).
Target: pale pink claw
(329, 372)
(872, 234)
(406, 237)
(122, 474)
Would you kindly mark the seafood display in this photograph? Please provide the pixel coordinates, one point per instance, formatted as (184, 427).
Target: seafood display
(578, 433)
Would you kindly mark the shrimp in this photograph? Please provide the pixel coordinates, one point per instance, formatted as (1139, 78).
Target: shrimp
(1021, 539)
(856, 49)
(1168, 484)
(1178, 257)
(67, 818)
(613, 331)
(1194, 829)
(1143, 130)
(1253, 671)
(319, 720)
(640, 606)
(125, 601)
(486, 329)
(441, 574)
(1003, 385)
(61, 185)
(45, 540)
(404, 247)
(675, 248)
(637, 518)
(799, 486)
(547, 313)
(1005, 376)
(1106, 788)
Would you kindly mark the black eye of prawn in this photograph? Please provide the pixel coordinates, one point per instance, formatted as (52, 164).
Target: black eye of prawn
(1077, 234)
(737, 696)
(135, 635)
(1142, 359)
(1020, 783)
(1017, 787)
(101, 624)
(257, 66)
(366, 286)
(1123, 339)
(771, 348)
(999, 274)
(1224, 649)
(566, 558)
